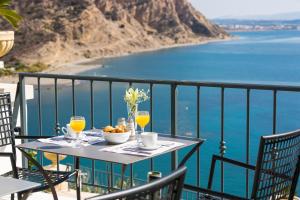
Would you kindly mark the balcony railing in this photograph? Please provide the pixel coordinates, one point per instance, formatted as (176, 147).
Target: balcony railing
(173, 87)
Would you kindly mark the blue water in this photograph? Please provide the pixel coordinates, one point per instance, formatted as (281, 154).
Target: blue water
(256, 57)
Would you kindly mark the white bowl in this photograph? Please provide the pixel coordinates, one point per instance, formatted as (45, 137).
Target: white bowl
(116, 138)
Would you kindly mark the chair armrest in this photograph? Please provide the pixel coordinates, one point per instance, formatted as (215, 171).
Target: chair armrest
(227, 160)
(213, 193)
(12, 161)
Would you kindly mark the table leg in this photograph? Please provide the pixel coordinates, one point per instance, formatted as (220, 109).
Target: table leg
(25, 195)
(122, 175)
(78, 178)
(131, 175)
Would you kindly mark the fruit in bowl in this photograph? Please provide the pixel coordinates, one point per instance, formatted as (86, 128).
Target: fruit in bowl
(116, 135)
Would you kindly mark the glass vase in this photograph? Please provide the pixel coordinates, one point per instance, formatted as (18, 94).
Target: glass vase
(132, 111)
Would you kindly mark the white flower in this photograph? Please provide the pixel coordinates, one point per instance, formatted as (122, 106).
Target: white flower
(135, 96)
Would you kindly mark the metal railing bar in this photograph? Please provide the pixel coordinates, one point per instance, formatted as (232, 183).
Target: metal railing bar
(92, 123)
(247, 140)
(110, 103)
(16, 107)
(108, 175)
(174, 158)
(40, 107)
(151, 105)
(23, 113)
(23, 105)
(92, 102)
(40, 114)
(198, 136)
(222, 138)
(93, 172)
(151, 121)
(56, 118)
(73, 98)
(169, 82)
(111, 123)
(274, 110)
(73, 113)
(56, 107)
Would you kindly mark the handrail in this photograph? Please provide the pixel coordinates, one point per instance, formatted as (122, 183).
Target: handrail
(167, 82)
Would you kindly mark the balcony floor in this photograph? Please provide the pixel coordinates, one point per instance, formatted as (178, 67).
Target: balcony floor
(62, 195)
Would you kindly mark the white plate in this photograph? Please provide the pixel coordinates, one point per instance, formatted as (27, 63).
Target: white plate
(141, 146)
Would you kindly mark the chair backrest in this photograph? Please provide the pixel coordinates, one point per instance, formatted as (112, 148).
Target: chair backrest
(277, 167)
(6, 129)
(167, 188)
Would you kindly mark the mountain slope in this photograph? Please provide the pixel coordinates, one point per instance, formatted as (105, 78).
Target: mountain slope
(59, 31)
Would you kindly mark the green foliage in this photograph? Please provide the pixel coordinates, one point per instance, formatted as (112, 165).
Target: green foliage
(8, 14)
(37, 67)
(6, 72)
(17, 66)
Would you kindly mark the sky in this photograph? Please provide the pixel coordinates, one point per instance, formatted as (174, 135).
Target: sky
(220, 8)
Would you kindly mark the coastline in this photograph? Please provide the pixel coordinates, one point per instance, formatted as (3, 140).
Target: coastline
(83, 65)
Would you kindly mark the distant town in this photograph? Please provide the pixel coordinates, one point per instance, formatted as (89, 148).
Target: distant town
(258, 25)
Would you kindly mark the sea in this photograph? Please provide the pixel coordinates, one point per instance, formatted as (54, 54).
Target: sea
(271, 57)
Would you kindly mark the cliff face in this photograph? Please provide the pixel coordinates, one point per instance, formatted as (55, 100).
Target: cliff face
(58, 31)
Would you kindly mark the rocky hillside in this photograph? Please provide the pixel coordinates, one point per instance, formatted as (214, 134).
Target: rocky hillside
(59, 31)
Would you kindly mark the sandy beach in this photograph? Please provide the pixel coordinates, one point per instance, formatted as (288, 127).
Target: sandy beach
(83, 65)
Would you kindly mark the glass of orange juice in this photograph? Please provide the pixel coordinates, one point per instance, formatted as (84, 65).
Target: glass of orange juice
(77, 123)
(142, 119)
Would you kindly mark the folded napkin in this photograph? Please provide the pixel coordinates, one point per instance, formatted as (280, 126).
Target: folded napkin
(132, 148)
(93, 132)
(62, 141)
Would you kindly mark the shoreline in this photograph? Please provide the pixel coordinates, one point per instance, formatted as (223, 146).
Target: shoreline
(88, 64)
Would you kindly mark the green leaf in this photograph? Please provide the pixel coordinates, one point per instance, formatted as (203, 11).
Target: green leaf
(11, 16)
(5, 3)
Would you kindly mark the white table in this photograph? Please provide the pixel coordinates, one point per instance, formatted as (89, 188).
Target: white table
(12, 185)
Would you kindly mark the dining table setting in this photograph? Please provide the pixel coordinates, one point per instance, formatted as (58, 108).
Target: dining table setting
(121, 143)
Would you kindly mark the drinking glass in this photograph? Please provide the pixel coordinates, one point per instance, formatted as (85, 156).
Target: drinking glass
(142, 119)
(77, 123)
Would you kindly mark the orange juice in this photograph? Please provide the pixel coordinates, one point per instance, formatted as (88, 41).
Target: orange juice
(77, 125)
(142, 120)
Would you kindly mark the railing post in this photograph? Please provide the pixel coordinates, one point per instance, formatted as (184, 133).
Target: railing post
(247, 140)
(174, 159)
(57, 125)
(222, 142)
(151, 121)
(16, 106)
(198, 136)
(23, 112)
(23, 109)
(274, 110)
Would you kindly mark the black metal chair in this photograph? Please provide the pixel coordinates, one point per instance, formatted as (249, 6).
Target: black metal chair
(168, 188)
(276, 171)
(47, 179)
